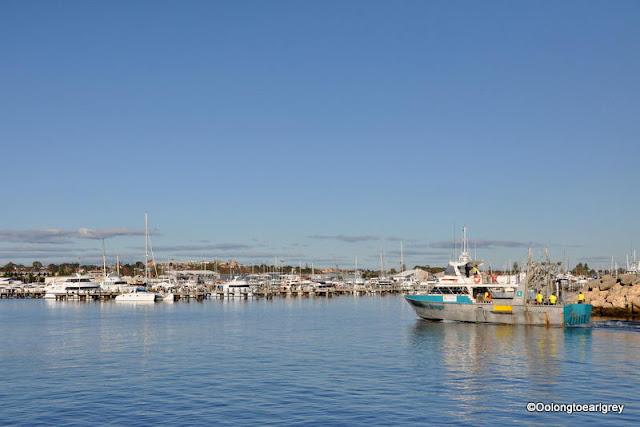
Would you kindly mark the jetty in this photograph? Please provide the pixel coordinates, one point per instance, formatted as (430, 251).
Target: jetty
(216, 292)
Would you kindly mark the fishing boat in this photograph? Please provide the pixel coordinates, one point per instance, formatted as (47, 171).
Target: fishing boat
(459, 296)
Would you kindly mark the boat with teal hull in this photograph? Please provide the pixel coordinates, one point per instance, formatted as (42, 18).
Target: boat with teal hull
(465, 294)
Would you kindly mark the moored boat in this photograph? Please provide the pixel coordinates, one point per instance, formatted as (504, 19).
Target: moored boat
(71, 287)
(142, 294)
(238, 287)
(139, 295)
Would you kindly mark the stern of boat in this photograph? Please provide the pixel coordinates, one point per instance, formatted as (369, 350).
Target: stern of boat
(577, 314)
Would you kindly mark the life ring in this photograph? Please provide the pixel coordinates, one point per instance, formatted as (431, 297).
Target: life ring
(477, 279)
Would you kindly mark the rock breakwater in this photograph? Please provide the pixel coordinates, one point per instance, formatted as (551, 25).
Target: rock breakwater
(610, 296)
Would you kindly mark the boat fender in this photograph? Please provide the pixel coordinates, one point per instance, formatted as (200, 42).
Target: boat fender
(476, 278)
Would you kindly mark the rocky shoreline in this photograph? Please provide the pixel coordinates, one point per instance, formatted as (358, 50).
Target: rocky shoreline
(612, 297)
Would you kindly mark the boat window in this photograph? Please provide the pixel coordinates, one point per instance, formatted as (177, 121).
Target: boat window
(450, 270)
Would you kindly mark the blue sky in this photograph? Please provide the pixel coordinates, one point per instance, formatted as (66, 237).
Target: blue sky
(319, 131)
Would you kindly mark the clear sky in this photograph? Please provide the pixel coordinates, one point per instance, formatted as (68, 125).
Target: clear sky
(318, 131)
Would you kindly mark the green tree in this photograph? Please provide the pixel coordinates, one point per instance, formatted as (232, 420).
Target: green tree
(8, 268)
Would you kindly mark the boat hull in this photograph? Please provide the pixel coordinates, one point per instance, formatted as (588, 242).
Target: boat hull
(139, 297)
(501, 312)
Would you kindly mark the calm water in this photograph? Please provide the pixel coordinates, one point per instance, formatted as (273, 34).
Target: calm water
(341, 361)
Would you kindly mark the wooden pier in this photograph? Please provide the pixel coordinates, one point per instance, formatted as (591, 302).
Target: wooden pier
(214, 292)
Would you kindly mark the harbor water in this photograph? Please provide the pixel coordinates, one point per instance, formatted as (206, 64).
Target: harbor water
(302, 361)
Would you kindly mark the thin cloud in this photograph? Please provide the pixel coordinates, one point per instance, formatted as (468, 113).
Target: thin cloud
(343, 238)
(48, 235)
(417, 252)
(85, 233)
(57, 236)
(486, 244)
(216, 247)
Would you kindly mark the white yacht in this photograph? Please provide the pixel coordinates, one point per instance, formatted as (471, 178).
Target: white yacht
(9, 283)
(115, 283)
(71, 286)
(139, 295)
(238, 287)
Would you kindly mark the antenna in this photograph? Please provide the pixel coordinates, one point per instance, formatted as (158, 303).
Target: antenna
(454, 246)
(464, 239)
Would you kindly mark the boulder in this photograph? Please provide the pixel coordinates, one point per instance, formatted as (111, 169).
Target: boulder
(590, 296)
(592, 284)
(607, 283)
(627, 279)
(573, 299)
(636, 301)
(618, 302)
(634, 290)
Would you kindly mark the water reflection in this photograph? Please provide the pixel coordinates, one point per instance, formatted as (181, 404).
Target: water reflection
(481, 364)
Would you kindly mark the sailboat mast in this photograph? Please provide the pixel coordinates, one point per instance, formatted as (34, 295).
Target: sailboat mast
(355, 272)
(104, 260)
(146, 250)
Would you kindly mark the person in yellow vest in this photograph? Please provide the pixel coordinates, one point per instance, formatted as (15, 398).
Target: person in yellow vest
(539, 298)
(486, 295)
(580, 298)
(552, 299)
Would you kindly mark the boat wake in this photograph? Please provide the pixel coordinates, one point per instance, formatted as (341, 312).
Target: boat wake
(626, 325)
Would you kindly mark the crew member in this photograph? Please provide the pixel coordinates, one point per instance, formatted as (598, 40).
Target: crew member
(539, 298)
(580, 298)
(486, 295)
(552, 299)
(489, 298)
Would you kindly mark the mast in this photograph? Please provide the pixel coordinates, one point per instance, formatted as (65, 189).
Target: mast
(355, 272)
(104, 260)
(146, 250)
(401, 258)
